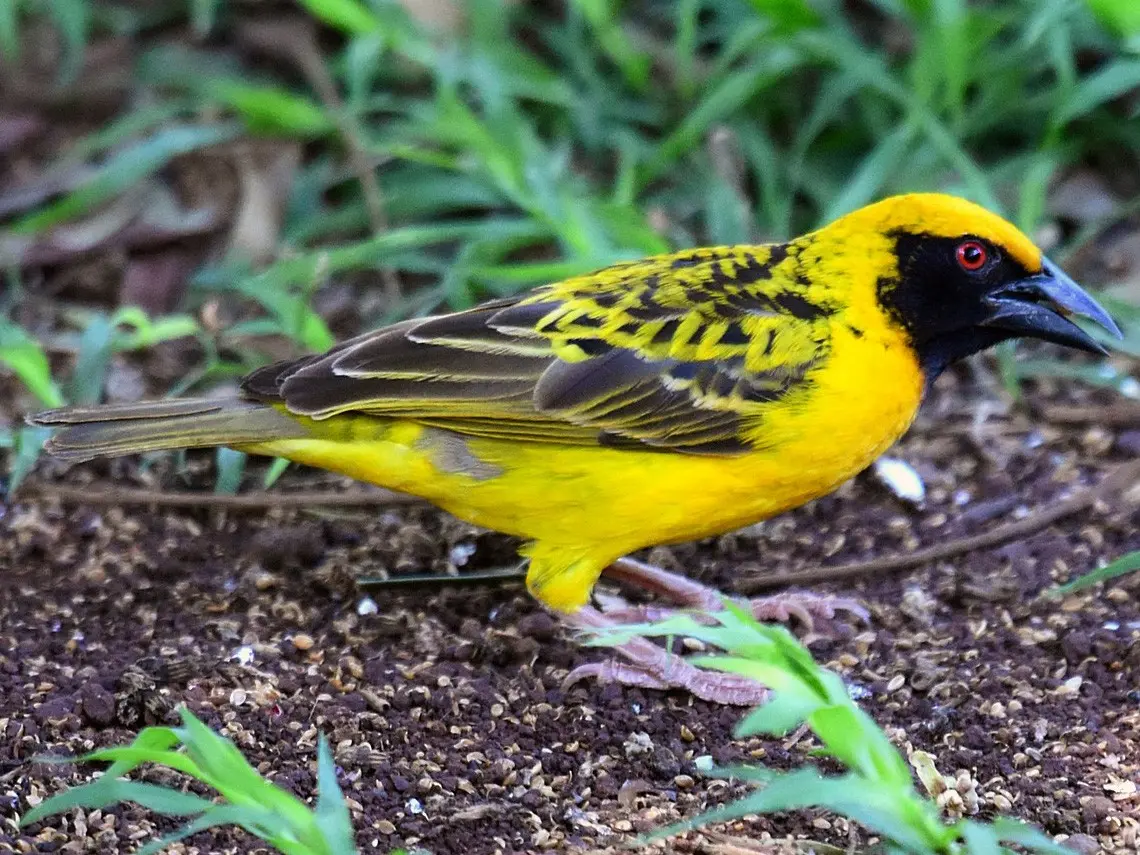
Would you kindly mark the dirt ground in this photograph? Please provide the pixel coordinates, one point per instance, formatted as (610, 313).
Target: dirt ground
(444, 703)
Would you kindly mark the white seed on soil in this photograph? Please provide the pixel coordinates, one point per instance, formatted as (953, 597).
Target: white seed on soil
(900, 478)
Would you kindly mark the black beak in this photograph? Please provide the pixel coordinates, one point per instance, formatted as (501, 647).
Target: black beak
(1040, 306)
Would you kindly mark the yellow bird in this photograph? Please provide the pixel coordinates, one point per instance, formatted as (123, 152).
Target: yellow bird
(651, 402)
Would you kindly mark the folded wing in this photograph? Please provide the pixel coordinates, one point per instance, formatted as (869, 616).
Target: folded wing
(681, 353)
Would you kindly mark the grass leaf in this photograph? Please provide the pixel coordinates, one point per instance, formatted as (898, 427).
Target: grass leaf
(276, 470)
(92, 361)
(1122, 566)
(105, 792)
(22, 355)
(123, 171)
(349, 16)
(270, 109)
(331, 813)
(27, 447)
(873, 174)
(1015, 831)
(727, 96)
(262, 809)
(230, 467)
(878, 791)
(1118, 78)
(10, 30)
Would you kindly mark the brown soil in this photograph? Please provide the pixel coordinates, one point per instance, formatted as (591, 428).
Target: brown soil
(445, 708)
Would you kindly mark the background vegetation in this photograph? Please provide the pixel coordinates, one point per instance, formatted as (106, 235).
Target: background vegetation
(388, 159)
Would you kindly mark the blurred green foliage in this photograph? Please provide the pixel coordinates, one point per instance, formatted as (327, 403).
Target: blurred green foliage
(534, 143)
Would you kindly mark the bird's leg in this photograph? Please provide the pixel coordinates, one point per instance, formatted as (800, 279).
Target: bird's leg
(653, 667)
(805, 607)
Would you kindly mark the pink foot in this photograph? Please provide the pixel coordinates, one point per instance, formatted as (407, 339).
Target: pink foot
(805, 607)
(650, 666)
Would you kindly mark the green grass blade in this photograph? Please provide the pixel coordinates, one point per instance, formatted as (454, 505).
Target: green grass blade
(152, 745)
(379, 249)
(349, 16)
(230, 466)
(92, 361)
(27, 448)
(1121, 16)
(225, 769)
(109, 791)
(10, 30)
(1015, 831)
(73, 20)
(1117, 79)
(1122, 566)
(125, 170)
(980, 839)
(873, 174)
(204, 16)
(270, 110)
(634, 63)
(790, 15)
(144, 331)
(276, 470)
(213, 817)
(331, 815)
(21, 354)
(725, 98)
(124, 759)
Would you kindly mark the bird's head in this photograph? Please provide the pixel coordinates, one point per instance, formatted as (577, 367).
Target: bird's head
(964, 279)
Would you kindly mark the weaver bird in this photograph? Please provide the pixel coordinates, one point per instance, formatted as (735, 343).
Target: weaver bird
(651, 402)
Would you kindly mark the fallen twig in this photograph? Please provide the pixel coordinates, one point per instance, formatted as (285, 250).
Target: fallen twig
(1119, 414)
(1118, 480)
(492, 575)
(248, 501)
(1115, 482)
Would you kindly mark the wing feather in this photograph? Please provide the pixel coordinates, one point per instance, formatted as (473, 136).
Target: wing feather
(680, 353)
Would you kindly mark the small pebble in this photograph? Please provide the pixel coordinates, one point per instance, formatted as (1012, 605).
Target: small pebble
(98, 704)
(1083, 844)
(461, 553)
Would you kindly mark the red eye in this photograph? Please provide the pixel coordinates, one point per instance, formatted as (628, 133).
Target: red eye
(972, 256)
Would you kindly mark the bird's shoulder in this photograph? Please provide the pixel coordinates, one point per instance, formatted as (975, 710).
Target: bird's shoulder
(754, 303)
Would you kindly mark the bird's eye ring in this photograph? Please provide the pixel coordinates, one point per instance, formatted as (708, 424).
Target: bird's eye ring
(972, 255)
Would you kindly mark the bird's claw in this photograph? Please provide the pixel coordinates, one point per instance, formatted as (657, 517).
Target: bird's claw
(806, 608)
(713, 686)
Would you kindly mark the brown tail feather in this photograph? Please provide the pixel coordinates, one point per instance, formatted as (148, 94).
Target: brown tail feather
(115, 429)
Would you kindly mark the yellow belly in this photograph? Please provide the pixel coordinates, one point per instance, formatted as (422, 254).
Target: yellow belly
(582, 507)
